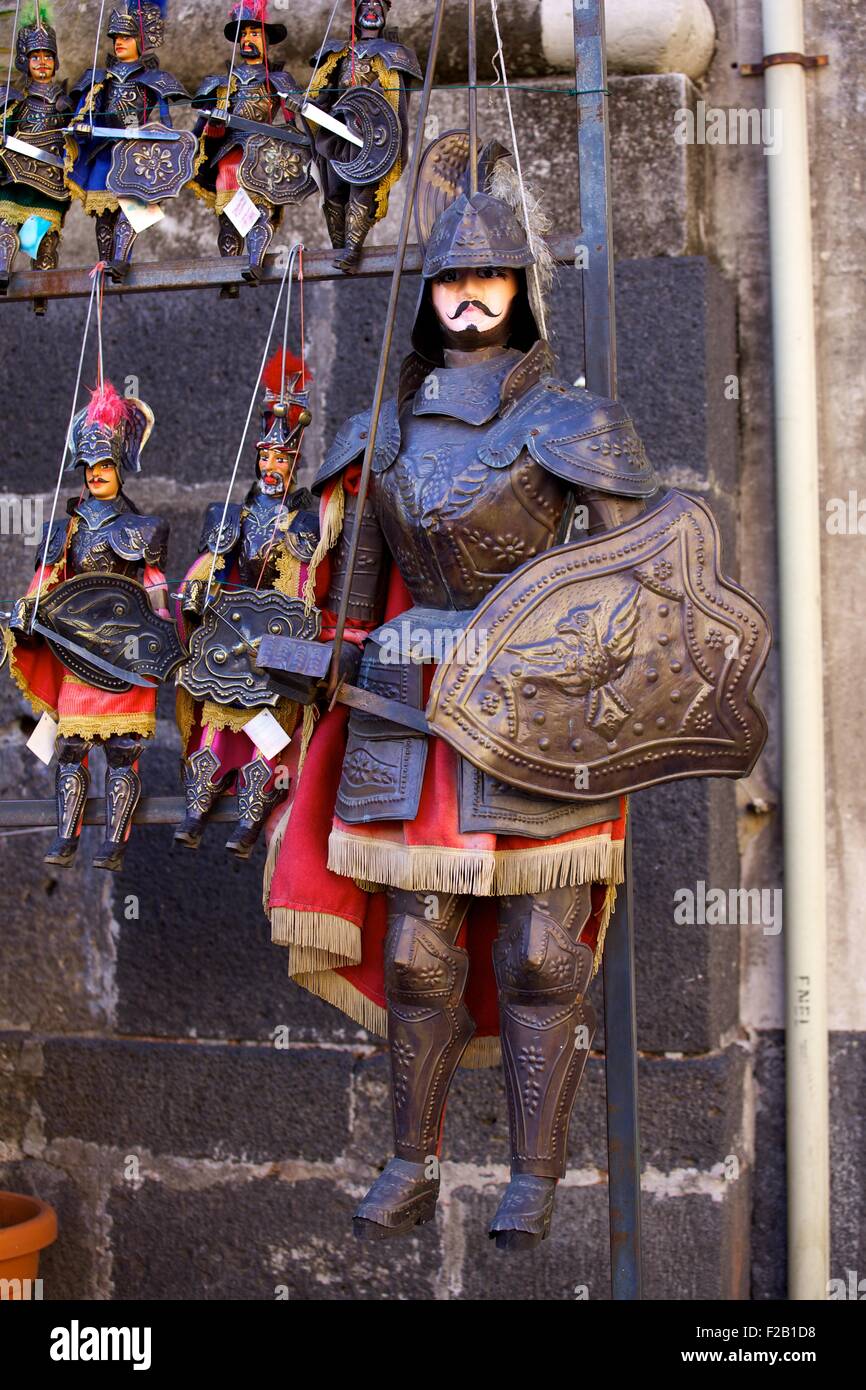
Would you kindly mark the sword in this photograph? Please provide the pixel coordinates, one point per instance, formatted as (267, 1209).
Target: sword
(308, 111)
(110, 132)
(33, 152)
(131, 677)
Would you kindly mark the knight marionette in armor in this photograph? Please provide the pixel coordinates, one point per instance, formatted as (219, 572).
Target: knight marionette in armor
(365, 81)
(238, 156)
(258, 553)
(33, 195)
(93, 633)
(555, 678)
(125, 159)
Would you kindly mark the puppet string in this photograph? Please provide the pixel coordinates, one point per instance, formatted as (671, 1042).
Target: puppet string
(89, 106)
(9, 71)
(289, 264)
(297, 251)
(231, 66)
(500, 59)
(65, 450)
(319, 54)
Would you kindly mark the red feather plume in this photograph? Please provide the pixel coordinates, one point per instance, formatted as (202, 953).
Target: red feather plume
(272, 376)
(107, 407)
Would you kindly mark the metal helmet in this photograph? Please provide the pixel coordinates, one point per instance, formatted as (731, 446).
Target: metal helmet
(285, 408)
(143, 20)
(35, 35)
(111, 429)
(474, 233)
(253, 12)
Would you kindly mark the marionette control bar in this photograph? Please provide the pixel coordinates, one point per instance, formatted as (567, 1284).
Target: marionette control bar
(217, 272)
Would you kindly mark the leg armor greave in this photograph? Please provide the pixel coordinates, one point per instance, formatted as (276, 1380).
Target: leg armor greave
(9, 245)
(259, 238)
(543, 972)
(229, 240)
(71, 785)
(122, 795)
(123, 241)
(201, 788)
(359, 221)
(335, 221)
(105, 234)
(256, 799)
(429, 1026)
(48, 254)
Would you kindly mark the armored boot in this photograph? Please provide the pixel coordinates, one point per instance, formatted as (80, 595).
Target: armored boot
(543, 972)
(71, 786)
(123, 241)
(429, 1029)
(335, 221)
(359, 220)
(9, 245)
(105, 234)
(255, 804)
(259, 238)
(122, 795)
(229, 243)
(48, 254)
(201, 789)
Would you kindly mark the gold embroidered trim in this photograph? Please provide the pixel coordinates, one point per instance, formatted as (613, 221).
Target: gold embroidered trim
(332, 526)
(481, 873)
(104, 725)
(17, 215)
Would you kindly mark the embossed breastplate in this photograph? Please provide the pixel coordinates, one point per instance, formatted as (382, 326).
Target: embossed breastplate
(90, 547)
(253, 100)
(261, 546)
(41, 110)
(364, 73)
(455, 526)
(126, 101)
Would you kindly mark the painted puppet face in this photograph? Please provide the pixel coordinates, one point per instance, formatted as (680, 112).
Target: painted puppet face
(102, 480)
(251, 42)
(370, 16)
(474, 302)
(126, 48)
(275, 466)
(41, 65)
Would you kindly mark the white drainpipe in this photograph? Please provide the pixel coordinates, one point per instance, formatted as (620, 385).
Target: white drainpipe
(799, 525)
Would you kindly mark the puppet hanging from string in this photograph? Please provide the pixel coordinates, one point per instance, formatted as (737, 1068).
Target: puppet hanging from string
(124, 158)
(33, 195)
(248, 582)
(93, 636)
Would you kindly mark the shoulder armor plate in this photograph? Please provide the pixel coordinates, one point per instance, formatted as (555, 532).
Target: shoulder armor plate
(584, 439)
(211, 528)
(209, 85)
(135, 537)
(284, 82)
(351, 441)
(303, 535)
(163, 83)
(91, 76)
(51, 547)
(397, 56)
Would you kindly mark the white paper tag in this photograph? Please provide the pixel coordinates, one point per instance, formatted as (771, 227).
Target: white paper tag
(267, 734)
(140, 215)
(242, 211)
(41, 741)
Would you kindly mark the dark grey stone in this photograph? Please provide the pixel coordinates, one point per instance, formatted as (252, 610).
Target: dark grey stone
(254, 1103)
(68, 1268)
(769, 1204)
(847, 1164)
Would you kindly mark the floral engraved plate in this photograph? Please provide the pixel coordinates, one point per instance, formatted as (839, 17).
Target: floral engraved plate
(276, 170)
(612, 665)
(224, 649)
(151, 170)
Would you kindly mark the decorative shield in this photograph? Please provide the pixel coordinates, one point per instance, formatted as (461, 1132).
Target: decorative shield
(110, 617)
(611, 665)
(224, 649)
(370, 115)
(151, 170)
(44, 178)
(277, 170)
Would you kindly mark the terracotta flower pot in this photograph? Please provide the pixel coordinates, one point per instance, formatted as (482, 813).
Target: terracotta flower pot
(26, 1227)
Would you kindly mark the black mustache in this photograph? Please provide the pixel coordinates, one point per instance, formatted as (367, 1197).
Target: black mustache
(472, 304)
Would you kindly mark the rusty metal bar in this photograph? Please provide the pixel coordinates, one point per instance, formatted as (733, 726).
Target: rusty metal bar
(623, 1133)
(151, 810)
(211, 273)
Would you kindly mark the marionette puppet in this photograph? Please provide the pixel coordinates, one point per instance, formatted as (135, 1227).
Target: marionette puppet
(249, 167)
(124, 159)
(364, 80)
(446, 878)
(35, 108)
(93, 633)
(248, 582)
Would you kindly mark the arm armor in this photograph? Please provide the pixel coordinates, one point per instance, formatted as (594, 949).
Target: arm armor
(144, 538)
(51, 547)
(367, 594)
(210, 531)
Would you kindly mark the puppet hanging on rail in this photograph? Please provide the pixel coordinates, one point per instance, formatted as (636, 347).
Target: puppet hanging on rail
(249, 167)
(93, 633)
(247, 583)
(33, 196)
(125, 159)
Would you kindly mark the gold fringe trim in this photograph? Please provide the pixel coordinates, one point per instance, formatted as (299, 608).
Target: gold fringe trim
(274, 848)
(184, 714)
(104, 725)
(482, 1052)
(308, 727)
(290, 927)
(17, 215)
(321, 78)
(481, 873)
(288, 571)
(332, 526)
(606, 914)
(389, 81)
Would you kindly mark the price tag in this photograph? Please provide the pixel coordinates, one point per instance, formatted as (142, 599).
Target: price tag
(41, 741)
(267, 734)
(242, 211)
(140, 215)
